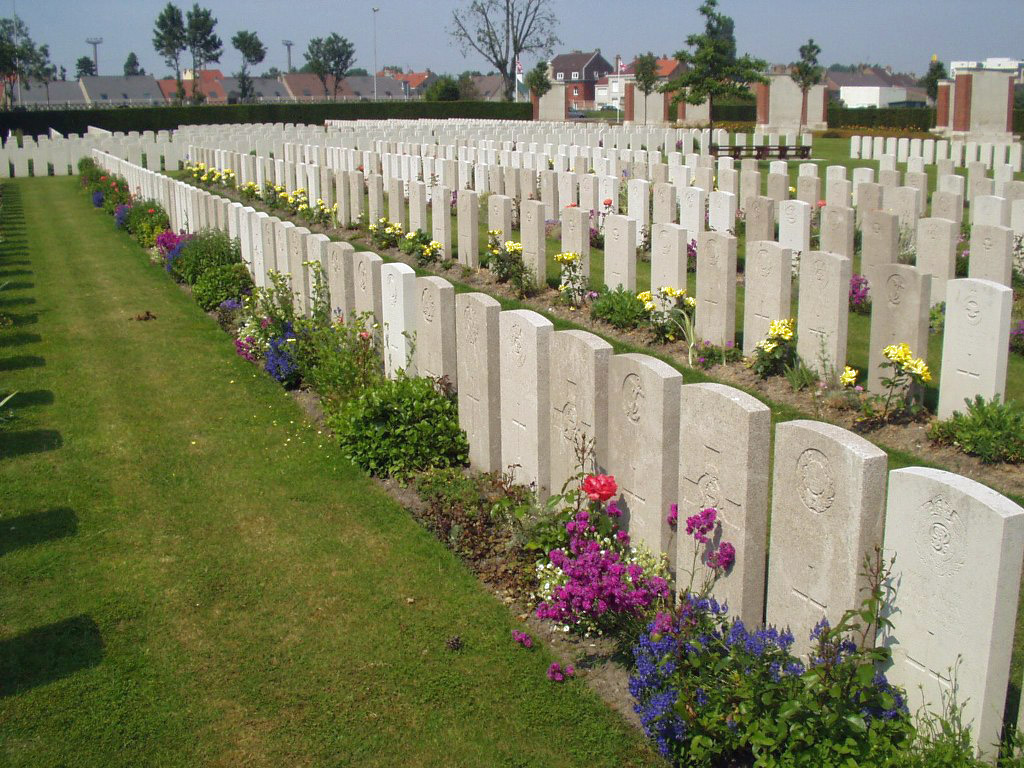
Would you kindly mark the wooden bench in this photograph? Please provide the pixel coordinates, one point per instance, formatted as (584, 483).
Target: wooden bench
(763, 152)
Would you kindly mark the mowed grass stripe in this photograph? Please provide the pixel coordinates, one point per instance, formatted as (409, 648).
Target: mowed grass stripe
(206, 584)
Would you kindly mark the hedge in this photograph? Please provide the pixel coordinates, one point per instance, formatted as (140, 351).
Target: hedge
(126, 119)
(1018, 121)
(907, 118)
(734, 113)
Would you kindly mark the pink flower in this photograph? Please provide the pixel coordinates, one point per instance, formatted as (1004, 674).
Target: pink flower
(723, 557)
(558, 675)
(673, 515)
(822, 203)
(522, 638)
(599, 487)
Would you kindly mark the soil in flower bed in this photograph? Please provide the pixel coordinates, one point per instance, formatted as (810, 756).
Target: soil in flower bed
(909, 437)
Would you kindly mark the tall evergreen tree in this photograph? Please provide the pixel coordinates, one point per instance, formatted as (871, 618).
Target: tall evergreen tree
(712, 69)
(131, 66)
(806, 73)
(930, 82)
(169, 41)
(203, 44)
(645, 77)
(253, 52)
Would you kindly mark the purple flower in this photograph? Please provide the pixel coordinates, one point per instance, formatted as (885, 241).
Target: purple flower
(701, 524)
(673, 515)
(558, 675)
(522, 638)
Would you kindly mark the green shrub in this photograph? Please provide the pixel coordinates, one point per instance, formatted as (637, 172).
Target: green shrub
(400, 427)
(992, 431)
(146, 220)
(620, 308)
(217, 284)
(338, 360)
(209, 248)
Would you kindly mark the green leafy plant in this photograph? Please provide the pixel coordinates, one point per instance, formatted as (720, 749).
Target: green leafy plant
(776, 351)
(572, 286)
(207, 249)
(419, 245)
(384, 233)
(339, 360)
(902, 388)
(799, 375)
(937, 318)
(217, 284)
(400, 427)
(506, 262)
(146, 220)
(672, 316)
(990, 430)
(620, 308)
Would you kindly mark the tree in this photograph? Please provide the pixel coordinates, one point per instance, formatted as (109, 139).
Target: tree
(169, 40)
(806, 74)
(273, 73)
(930, 82)
(63, 73)
(330, 56)
(357, 72)
(131, 66)
(85, 67)
(445, 88)
(467, 88)
(537, 80)
(502, 30)
(645, 75)
(712, 68)
(253, 52)
(18, 56)
(203, 44)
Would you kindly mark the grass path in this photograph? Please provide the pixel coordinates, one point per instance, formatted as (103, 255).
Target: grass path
(188, 578)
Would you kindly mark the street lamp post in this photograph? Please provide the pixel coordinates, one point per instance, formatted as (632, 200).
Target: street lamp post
(375, 9)
(288, 44)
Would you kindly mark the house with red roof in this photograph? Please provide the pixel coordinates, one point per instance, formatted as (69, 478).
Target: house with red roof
(209, 84)
(611, 90)
(416, 82)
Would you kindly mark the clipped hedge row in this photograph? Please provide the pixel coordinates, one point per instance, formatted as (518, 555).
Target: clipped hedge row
(126, 119)
(734, 113)
(907, 118)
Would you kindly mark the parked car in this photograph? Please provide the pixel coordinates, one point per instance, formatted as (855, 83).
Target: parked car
(576, 113)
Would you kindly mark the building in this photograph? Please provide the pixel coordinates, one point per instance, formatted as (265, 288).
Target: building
(610, 91)
(579, 72)
(55, 93)
(492, 88)
(416, 82)
(998, 64)
(265, 89)
(116, 90)
(209, 84)
(874, 87)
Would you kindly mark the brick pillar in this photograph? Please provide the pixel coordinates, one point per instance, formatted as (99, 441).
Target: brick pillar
(681, 110)
(630, 105)
(942, 105)
(536, 105)
(764, 94)
(962, 103)
(666, 100)
(824, 106)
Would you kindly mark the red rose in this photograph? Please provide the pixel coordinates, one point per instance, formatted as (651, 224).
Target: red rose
(151, 210)
(599, 487)
(607, 202)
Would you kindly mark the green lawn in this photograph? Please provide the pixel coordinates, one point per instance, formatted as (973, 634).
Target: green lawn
(189, 575)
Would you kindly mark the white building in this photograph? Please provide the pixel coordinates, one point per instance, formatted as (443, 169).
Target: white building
(856, 96)
(998, 63)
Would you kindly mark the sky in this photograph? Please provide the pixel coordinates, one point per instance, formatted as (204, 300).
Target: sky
(413, 33)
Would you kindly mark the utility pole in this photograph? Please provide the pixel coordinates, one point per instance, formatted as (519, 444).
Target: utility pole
(375, 9)
(95, 42)
(288, 44)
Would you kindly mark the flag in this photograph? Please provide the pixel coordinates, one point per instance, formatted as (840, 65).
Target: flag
(519, 70)
(622, 67)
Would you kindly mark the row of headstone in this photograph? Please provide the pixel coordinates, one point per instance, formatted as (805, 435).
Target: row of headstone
(959, 545)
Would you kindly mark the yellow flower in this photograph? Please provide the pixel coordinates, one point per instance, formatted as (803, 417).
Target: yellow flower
(690, 302)
(650, 306)
(849, 377)
(768, 346)
(645, 296)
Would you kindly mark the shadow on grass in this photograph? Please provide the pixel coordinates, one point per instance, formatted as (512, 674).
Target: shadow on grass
(17, 301)
(35, 528)
(23, 285)
(29, 441)
(19, 362)
(17, 339)
(18, 320)
(5, 273)
(48, 653)
(32, 397)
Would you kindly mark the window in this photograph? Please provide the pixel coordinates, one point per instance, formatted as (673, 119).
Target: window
(560, 76)
(575, 91)
(575, 75)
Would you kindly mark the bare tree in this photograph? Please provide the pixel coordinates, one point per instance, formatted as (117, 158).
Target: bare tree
(502, 30)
